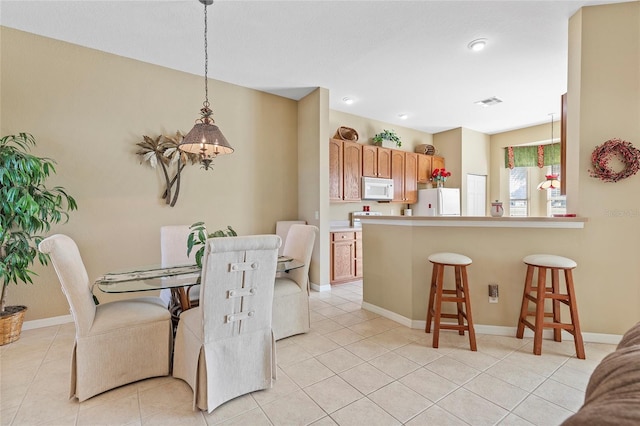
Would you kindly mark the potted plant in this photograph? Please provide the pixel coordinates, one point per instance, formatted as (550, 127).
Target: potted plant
(199, 236)
(387, 135)
(28, 208)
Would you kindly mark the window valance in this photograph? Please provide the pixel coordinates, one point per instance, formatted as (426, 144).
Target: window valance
(532, 155)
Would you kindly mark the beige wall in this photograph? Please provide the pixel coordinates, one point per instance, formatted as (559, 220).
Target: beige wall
(449, 146)
(313, 176)
(499, 182)
(367, 128)
(604, 103)
(475, 161)
(87, 109)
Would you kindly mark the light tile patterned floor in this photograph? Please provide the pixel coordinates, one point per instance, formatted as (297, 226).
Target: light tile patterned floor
(353, 368)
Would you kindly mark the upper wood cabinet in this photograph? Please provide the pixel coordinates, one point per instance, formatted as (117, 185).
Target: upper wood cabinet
(424, 168)
(437, 162)
(410, 178)
(349, 161)
(426, 164)
(335, 170)
(376, 161)
(345, 170)
(404, 172)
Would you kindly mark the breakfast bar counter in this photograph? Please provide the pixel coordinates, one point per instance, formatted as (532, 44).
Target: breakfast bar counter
(480, 221)
(397, 273)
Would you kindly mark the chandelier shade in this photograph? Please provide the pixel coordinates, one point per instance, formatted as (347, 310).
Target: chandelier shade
(551, 182)
(207, 140)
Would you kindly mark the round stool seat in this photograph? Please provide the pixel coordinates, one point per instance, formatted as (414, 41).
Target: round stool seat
(550, 261)
(449, 259)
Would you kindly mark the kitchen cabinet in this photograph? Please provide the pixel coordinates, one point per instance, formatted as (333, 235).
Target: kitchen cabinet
(426, 165)
(437, 162)
(335, 170)
(346, 256)
(350, 161)
(424, 168)
(376, 161)
(404, 172)
(345, 170)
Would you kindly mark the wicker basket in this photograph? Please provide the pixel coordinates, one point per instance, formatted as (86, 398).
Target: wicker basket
(425, 149)
(11, 324)
(346, 134)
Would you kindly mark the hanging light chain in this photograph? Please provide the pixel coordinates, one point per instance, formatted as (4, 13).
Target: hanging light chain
(206, 59)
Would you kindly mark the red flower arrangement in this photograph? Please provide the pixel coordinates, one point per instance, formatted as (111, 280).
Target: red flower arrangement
(624, 151)
(440, 175)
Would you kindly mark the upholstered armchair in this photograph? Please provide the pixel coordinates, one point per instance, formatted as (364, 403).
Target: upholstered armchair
(116, 343)
(291, 289)
(225, 348)
(173, 252)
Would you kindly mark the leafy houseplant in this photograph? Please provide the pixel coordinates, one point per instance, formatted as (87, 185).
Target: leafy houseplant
(28, 208)
(389, 135)
(199, 236)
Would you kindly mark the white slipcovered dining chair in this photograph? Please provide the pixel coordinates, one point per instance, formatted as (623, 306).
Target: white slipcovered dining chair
(282, 229)
(117, 342)
(225, 348)
(173, 252)
(291, 289)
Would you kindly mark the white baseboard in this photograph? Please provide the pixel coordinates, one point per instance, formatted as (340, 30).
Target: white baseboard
(316, 287)
(495, 330)
(47, 322)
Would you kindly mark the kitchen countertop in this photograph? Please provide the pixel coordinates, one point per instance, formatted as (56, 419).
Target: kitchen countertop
(479, 221)
(344, 229)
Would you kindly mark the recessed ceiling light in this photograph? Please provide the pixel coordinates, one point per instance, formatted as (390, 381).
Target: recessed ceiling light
(403, 116)
(347, 100)
(489, 102)
(477, 44)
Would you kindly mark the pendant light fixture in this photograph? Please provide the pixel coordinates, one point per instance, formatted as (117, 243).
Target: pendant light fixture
(206, 139)
(551, 181)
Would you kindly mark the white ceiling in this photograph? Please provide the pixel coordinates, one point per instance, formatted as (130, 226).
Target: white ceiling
(391, 57)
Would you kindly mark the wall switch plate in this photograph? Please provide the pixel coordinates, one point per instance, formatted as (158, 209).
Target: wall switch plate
(493, 293)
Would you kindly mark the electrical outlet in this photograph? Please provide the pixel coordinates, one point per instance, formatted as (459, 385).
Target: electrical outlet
(493, 293)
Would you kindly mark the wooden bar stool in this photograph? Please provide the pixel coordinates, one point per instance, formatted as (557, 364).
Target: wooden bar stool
(459, 296)
(555, 264)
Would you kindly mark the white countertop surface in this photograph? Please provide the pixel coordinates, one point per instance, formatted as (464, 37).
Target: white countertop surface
(343, 229)
(479, 221)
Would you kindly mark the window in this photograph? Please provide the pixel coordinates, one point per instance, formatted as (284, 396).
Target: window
(556, 203)
(519, 191)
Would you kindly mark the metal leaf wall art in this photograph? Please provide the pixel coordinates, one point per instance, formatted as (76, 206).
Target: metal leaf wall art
(163, 151)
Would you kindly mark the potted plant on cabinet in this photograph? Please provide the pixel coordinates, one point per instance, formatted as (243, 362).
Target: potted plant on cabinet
(28, 208)
(389, 136)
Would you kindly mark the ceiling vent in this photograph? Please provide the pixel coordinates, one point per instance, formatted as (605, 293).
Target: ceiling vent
(489, 102)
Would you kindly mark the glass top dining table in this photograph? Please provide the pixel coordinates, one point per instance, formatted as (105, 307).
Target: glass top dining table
(175, 278)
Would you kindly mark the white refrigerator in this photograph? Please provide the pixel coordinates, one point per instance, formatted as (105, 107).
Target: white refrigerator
(437, 202)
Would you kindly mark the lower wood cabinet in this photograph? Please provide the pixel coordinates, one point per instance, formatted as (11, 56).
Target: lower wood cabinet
(346, 256)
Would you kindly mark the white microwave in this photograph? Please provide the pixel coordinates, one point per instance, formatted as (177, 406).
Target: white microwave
(377, 189)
